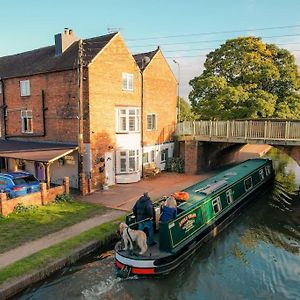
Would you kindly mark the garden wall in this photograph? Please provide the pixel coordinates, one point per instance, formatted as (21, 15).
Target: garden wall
(43, 197)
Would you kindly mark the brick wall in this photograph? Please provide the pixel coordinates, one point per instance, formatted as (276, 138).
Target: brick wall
(160, 94)
(105, 94)
(43, 197)
(190, 157)
(61, 94)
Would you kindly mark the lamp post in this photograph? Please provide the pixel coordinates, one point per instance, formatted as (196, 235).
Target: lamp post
(178, 86)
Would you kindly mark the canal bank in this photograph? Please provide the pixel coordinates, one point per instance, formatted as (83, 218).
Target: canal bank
(37, 260)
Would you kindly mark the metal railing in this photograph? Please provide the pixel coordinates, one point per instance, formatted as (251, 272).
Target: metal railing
(250, 129)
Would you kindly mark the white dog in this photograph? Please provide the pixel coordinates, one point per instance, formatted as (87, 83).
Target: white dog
(130, 235)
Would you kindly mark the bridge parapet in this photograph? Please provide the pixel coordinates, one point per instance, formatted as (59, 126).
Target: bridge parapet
(248, 131)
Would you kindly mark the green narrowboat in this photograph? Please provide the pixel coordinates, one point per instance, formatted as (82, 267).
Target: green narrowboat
(213, 203)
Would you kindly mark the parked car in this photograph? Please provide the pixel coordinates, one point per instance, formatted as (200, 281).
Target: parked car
(17, 184)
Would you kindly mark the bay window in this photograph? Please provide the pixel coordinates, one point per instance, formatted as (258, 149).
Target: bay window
(127, 161)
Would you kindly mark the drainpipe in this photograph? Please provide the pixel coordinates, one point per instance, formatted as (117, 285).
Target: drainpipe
(44, 109)
(142, 119)
(4, 107)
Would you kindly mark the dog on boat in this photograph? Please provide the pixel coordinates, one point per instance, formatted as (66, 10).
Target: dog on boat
(129, 236)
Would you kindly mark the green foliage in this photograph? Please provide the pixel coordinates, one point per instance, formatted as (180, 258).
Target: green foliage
(175, 164)
(246, 78)
(186, 113)
(20, 208)
(64, 198)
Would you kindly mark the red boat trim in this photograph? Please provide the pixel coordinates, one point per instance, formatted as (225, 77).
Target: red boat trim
(119, 265)
(137, 271)
(142, 271)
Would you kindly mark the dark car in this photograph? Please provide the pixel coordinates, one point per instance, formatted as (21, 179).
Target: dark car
(18, 183)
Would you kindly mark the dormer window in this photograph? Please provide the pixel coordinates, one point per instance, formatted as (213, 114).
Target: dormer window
(127, 81)
(25, 88)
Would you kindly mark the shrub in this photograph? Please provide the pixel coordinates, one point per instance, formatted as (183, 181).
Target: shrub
(63, 198)
(20, 208)
(175, 164)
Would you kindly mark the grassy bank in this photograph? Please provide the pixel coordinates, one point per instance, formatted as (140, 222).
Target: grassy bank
(46, 257)
(30, 224)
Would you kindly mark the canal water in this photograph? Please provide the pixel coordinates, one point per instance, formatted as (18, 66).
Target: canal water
(256, 257)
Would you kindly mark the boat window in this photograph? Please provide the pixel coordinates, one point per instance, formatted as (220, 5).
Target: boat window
(268, 170)
(248, 183)
(261, 174)
(229, 196)
(216, 205)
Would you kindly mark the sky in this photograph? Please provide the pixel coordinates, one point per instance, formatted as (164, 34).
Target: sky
(199, 26)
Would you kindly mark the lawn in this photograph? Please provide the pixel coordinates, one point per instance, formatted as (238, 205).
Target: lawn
(29, 225)
(47, 256)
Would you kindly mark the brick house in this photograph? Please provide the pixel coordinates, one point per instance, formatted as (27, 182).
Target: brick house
(40, 117)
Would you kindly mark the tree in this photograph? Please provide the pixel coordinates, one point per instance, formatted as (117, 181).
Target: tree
(186, 113)
(246, 78)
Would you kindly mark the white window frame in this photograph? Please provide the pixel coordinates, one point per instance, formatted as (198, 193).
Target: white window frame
(126, 112)
(127, 81)
(216, 203)
(26, 115)
(261, 174)
(152, 123)
(163, 152)
(249, 188)
(25, 88)
(152, 156)
(229, 196)
(128, 155)
(1, 87)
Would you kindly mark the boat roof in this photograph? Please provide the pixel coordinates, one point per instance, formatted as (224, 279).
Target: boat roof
(208, 187)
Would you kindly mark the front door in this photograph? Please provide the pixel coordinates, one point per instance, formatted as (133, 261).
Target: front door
(109, 168)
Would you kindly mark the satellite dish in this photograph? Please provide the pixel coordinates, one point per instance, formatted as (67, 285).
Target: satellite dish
(145, 61)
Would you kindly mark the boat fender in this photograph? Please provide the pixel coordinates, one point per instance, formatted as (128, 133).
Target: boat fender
(182, 196)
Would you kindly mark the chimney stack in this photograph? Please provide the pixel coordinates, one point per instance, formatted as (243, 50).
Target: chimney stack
(64, 40)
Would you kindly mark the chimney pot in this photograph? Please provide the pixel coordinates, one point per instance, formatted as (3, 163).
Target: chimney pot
(64, 40)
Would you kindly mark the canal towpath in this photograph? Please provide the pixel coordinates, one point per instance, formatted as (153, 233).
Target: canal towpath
(119, 199)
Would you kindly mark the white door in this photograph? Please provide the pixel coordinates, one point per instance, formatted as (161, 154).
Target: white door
(109, 168)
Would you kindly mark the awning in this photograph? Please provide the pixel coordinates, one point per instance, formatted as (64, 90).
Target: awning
(34, 151)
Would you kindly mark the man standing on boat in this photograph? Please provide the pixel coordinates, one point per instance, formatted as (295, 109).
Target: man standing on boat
(143, 210)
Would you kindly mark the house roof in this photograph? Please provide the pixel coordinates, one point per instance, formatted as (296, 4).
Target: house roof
(34, 151)
(43, 60)
(140, 56)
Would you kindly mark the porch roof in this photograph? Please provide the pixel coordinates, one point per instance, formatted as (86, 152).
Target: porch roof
(35, 151)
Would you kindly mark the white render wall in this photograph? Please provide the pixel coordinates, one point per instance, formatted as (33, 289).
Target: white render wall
(157, 150)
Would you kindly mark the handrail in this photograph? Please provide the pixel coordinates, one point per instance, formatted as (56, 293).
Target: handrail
(248, 129)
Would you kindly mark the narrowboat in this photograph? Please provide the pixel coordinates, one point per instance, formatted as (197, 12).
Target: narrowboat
(213, 203)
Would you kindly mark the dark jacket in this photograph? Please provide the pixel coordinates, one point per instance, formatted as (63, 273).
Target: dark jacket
(143, 209)
(168, 213)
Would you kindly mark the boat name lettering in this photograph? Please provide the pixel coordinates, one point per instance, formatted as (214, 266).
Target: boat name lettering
(185, 219)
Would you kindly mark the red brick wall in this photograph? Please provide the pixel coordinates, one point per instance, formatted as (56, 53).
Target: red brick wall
(40, 198)
(61, 94)
(191, 157)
